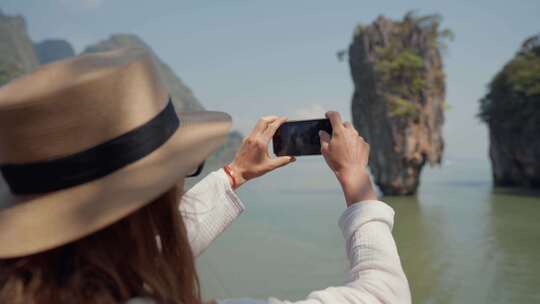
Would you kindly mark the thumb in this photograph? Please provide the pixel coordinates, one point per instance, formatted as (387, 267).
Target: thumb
(281, 161)
(325, 141)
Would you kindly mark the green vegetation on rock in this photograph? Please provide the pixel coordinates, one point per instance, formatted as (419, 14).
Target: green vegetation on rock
(359, 29)
(514, 93)
(400, 107)
(8, 71)
(401, 69)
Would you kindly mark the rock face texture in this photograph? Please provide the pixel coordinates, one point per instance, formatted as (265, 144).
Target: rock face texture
(52, 50)
(399, 97)
(511, 109)
(182, 96)
(17, 54)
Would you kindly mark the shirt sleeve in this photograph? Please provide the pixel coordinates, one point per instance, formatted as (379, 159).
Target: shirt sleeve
(376, 274)
(208, 208)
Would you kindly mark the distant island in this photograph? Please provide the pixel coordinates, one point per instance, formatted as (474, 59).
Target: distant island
(19, 55)
(51, 50)
(511, 110)
(399, 96)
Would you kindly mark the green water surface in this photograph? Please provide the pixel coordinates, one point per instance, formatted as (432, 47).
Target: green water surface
(460, 240)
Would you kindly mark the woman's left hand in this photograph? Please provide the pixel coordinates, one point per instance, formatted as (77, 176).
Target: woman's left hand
(252, 159)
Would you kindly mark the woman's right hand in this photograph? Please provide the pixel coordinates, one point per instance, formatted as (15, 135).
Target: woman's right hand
(253, 159)
(347, 154)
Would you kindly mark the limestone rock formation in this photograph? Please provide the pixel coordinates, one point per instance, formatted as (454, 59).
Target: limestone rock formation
(511, 109)
(399, 97)
(182, 96)
(17, 54)
(52, 50)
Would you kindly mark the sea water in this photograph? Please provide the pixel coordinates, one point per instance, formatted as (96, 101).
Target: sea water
(460, 240)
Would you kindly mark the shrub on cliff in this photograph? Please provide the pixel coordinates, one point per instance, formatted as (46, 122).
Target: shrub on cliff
(8, 71)
(514, 93)
(402, 68)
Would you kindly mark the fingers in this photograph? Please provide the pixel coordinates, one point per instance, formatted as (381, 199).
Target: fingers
(281, 161)
(325, 137)
(335, 120)
(273, 126)
(337, 123)
(262, 124)
(348, 126)
(364, 148)
(325, 141)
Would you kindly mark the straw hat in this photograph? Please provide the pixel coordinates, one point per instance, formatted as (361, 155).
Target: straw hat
(85, 142)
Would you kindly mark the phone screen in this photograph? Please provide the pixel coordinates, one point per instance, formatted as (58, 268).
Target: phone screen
(301, 137)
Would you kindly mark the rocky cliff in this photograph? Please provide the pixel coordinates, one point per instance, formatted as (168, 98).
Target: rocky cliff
(399, 97)
(182, 96)
(52, 50)
(17, 55)
(511, 109)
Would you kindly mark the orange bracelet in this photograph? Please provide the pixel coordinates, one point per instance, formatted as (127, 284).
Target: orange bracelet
(230, 173)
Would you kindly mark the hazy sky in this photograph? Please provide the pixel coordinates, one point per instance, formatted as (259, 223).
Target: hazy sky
(254, 58)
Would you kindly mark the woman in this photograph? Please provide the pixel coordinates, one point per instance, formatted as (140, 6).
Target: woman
(94, 159)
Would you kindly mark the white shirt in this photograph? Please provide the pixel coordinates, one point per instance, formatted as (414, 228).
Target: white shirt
(375, 274)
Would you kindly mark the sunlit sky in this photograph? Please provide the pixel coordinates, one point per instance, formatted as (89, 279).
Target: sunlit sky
(255, 58)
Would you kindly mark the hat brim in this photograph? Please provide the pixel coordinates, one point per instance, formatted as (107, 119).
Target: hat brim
(31, 224)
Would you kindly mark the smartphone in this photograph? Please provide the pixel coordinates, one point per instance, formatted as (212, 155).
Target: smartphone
(297, 138)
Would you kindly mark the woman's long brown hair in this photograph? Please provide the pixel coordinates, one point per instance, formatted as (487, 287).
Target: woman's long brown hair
(146, 254)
